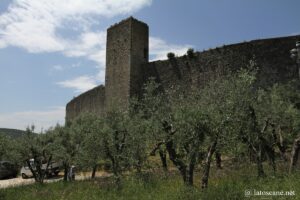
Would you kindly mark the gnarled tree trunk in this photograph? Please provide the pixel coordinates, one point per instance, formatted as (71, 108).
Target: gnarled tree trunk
(66, 170)
(295, 154)
(259, 162)
(279, 142)
(176, 160)
(94, 171)
(205, 176)
(218, 160)
(163, 158)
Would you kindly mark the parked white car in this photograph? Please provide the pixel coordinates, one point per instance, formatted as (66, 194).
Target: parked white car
(53, 169)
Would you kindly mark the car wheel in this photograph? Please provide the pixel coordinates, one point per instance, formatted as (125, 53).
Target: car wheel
(15, 175)
(24, 176)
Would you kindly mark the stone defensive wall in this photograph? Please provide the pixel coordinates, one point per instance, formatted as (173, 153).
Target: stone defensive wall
(272, 58)
(91, 101)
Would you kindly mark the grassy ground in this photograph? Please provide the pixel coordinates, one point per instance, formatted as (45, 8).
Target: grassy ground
(224, 184)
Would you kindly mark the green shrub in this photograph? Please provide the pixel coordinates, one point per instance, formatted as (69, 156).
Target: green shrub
(171, 55)
(190, 53)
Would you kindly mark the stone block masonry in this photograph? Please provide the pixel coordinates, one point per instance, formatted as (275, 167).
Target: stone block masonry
(126, 51)
(272, 58)
(91, 101)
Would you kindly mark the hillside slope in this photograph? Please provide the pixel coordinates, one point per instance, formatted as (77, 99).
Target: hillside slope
(13, 133)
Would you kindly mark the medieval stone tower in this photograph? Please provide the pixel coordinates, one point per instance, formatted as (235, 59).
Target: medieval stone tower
(126, 51)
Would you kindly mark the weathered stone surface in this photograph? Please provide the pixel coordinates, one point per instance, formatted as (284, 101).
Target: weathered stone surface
(126, 51)
(127, 66)
(91, 101)
(271, 55)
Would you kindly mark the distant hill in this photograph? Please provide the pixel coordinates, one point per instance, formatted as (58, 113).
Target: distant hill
(13, 133)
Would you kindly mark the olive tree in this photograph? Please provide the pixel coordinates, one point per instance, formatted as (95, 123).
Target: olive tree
(9, 149)
(62, 146)
(152, 109)
(35, 154)
(277, 109)
(178, 127)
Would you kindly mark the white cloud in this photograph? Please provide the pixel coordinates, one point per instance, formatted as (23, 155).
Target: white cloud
(90, 45)
(57, 68)
(33, 24)
(100, 77)
(80, 84)
(291, 34)
(41, 119)
(159, 48)
(78, 64)
(2, 44)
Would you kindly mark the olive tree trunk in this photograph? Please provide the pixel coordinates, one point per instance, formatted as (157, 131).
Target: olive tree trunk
(94, 171)
(205, 176)
(163, 158)
(218, 160)
(295, 154)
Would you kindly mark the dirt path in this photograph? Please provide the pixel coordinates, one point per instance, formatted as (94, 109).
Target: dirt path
(19, 181)
(13, 182)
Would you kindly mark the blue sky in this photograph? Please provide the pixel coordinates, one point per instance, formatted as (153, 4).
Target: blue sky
(53, 50)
